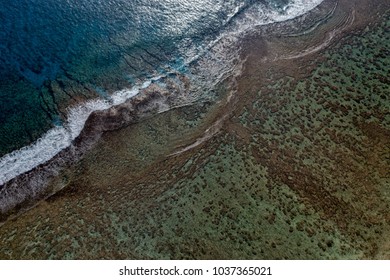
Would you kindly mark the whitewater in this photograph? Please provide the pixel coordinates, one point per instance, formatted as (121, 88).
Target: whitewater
(61, 137)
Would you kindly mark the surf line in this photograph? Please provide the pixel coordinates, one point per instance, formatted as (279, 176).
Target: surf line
(61, 137)
(31, 187)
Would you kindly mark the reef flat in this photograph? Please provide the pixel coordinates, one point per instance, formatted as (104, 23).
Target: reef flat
(291, 161)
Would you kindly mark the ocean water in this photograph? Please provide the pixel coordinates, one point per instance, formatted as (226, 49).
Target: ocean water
(62, 60)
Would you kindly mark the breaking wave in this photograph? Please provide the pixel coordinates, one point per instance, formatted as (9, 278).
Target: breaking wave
(203, 63)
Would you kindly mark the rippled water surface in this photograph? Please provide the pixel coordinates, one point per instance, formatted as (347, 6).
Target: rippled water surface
(62, 60)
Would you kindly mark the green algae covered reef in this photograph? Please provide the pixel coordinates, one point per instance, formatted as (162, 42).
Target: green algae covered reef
(296, 165)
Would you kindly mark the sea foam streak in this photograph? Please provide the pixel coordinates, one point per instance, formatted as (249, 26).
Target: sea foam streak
(259, 15)
(59, 138)
(294, 9)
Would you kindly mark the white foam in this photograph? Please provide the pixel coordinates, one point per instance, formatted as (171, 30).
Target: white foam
(122, 95)
(257, 15)
(293, 10)
(59, 138)
(260, 14)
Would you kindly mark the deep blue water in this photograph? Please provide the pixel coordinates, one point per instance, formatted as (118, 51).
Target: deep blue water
(83, 42)
(57, 53)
